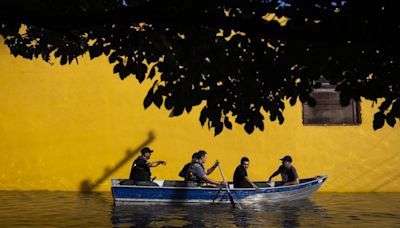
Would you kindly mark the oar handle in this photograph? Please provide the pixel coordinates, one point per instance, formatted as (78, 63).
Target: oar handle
(223, 176)
(226, 186)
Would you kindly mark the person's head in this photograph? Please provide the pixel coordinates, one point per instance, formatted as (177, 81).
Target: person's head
(146, 152)
(245, 162)
(287, 161)
(194, 156)
(202, 156)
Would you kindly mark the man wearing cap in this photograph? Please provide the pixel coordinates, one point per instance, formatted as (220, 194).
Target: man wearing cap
(287, 171)
(140, 172)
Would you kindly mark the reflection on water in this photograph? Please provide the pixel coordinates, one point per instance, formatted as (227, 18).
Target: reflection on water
(70, 209)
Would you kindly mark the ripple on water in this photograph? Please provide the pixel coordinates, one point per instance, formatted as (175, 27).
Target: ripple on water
(71, 209)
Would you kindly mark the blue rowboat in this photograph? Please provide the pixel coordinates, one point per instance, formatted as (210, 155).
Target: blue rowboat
(176, 192)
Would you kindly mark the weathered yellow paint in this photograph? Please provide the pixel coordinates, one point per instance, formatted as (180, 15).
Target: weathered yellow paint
(62, 125)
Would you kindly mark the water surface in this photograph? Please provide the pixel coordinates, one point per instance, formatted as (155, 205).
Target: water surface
(71, 209)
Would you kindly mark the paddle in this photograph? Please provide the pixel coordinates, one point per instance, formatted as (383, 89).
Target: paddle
(227, 187)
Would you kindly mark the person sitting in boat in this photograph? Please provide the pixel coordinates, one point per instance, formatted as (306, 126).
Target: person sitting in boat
(240, 178)
(197, 174)
(185, 169)
(140, 172)
(287, 171)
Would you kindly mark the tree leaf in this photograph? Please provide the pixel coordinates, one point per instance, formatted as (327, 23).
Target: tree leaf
(148, 99)
(379, 120)
(249, 128)
(385, 105)
(396, 108)
(312, 102)
(63, 60)
(141, 72)
(344, 99)
(168, 103)
(158, 99)
(113, 57)
(95, 51)
(188, 108)
(203, 116)
(227, 123)
(218, 129)
(390, 120)
(117, 68)
(272, 115)
(293, 100)
(152, 72)
(123, 73)
(177, 110)
(131, 65)
(280, 117)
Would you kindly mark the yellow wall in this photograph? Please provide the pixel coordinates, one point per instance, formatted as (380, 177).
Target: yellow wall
(63, 125)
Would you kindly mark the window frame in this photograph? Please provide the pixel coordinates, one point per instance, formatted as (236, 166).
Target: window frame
(356, 107)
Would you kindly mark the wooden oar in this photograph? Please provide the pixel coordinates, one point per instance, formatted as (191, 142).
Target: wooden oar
(227, 187)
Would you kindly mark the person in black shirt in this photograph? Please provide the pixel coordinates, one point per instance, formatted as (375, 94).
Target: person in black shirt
(240, 178)
(287, 171)
(140, 172)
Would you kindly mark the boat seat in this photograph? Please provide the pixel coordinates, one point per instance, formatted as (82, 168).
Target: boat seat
(262, 184)
(169, 183)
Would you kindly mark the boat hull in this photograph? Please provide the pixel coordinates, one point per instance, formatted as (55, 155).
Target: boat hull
(131, 194)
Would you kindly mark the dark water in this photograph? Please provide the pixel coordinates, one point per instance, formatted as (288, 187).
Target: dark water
(70, 209)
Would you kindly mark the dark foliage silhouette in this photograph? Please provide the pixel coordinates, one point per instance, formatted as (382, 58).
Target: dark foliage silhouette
(223, 55)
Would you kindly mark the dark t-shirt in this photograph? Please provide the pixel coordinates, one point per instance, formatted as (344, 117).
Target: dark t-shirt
(238, 178)
(288, 174)
(291, 174)
(282, 170)
(140, 170)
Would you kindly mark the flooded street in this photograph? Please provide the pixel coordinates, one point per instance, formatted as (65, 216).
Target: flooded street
(71, 209)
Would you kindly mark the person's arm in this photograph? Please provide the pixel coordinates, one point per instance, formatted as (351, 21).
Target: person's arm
(277, 172)
(156, 163)
(200, 173)
(211, 181)
(212, 168)
(297, 181)
(252, 184)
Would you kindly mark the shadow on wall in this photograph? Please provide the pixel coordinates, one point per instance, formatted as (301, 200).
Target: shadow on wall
(390, 177)
(386, 179)
(88, 186)
(394, 179)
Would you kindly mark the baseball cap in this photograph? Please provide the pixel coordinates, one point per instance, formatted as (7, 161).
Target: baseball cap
(286, 158)
(146, 150)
